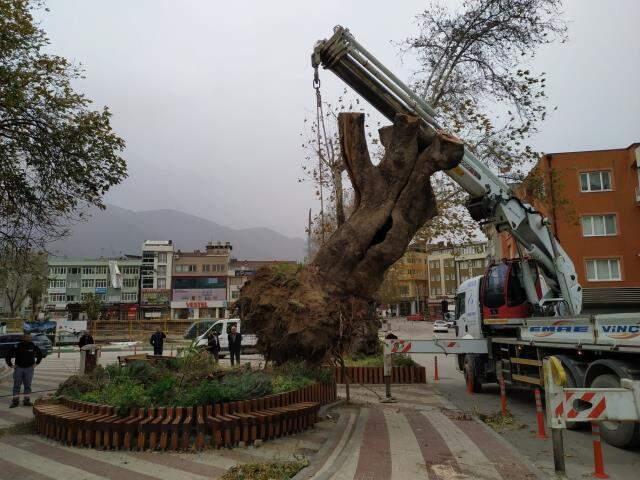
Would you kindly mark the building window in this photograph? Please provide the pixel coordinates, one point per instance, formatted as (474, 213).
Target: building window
(595, 181)
(130, 270)
(162, 283)
(57, 298)
(130, 282)
(57, 270)
(603, 269)
(598, 225)
(129, 297)
(57, 283)
(148, 257)
(71, 298)
(147, 283)
(186, 268)
(88, 270)
(235, 294)
(162, 271)
(74, 270)
(162, 257)
(101, 283)
(101, 270)
(88, 283)
(74, 284)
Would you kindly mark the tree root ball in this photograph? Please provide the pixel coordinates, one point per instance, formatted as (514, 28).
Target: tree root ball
(326, 308)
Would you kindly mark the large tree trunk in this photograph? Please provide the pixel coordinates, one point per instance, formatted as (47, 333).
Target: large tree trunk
(321, 309)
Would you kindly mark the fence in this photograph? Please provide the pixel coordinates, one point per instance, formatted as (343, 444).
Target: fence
(136, 330)
(375, 375)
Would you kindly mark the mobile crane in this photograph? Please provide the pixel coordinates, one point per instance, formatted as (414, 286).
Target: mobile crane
(521, 310)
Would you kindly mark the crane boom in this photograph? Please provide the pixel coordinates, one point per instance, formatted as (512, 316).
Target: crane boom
(491, 199)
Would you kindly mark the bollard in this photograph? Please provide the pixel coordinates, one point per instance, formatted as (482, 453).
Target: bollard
(469, 385)
(598, 459)
(503, 395)
(435, 368)
(135, 348)
(540, 415)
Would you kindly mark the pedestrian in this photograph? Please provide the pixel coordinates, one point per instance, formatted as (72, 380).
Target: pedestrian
(85, 339)
(445, 308)
(157, 341)
(213, 345)
(27, 356)
(235, 345)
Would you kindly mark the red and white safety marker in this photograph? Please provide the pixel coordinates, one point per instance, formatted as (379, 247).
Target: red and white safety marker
(401, 346)
(598, 459)
(597, 402)
(503, 396)
(435, 368)
(540, 416)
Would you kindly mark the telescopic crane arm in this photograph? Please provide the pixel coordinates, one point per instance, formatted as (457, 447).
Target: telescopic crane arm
(491, 200)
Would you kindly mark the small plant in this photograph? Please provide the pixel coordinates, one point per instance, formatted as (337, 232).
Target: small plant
(266, 471)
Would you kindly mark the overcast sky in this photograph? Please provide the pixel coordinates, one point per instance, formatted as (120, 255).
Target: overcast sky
(211, 96)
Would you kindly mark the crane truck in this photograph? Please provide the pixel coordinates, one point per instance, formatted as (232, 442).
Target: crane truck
(521, 310)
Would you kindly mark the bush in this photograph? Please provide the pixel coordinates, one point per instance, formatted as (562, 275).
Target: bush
(265, 471)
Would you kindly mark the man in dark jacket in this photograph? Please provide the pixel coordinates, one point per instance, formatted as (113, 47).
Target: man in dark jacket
(213, 345)
(27, 355)
(157, 340)
(85, 339)
(235, 345)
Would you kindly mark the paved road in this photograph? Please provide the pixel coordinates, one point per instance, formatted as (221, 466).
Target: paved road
(619, 464)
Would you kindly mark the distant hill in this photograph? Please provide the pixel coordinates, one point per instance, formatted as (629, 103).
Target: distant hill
(117, 231)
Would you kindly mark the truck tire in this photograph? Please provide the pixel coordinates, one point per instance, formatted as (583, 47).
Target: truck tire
(471, 373)
(618, 434)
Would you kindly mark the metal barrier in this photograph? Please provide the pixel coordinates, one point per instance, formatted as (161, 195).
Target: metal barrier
(588, 405)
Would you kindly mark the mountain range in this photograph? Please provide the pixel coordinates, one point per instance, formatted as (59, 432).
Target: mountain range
(117, 231)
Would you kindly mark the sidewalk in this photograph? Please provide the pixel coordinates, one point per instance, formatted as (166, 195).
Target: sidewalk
(421, 437)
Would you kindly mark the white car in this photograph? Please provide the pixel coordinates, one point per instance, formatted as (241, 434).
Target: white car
(440, 326)
(223, 328)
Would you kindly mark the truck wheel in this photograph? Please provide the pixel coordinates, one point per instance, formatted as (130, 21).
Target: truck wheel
(470, 375)
(618, 434)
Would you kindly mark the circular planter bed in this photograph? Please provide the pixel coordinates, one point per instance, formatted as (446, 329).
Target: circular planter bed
(137, 415)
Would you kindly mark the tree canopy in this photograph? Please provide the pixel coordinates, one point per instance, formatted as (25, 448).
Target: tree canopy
(57, 155)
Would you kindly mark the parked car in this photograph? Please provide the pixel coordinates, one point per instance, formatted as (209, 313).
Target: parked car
(223, 327)
(198, 327)
(416, 317)
(8, 340)
(440, 326)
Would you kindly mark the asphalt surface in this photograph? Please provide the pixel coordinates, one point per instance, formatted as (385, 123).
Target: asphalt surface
(619, 464)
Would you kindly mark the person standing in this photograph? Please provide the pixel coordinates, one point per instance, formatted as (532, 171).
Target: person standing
(213, 345)
(85, 339)
(235, 345)
(27, 356)
(157, 341)
(445, 308)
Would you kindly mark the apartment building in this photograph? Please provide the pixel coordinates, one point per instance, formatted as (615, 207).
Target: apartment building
(592, 199)
(155, 278)
(199, 282)
(413, 283)
(115, 281)
(450, 265)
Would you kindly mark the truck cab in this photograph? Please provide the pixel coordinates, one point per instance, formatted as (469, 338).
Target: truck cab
(468, 313)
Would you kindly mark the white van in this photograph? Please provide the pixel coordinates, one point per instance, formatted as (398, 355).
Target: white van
(223, 327)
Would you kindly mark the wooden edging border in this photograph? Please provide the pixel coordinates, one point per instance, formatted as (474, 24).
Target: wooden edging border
(224, 424)
(375, 375)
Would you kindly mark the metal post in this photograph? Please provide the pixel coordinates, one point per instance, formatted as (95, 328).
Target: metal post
(558, 450)
(386, 358)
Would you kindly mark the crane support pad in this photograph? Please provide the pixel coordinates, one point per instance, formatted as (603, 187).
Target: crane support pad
(437, 345)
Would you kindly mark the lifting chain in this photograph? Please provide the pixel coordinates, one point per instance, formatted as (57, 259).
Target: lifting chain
(319, 119)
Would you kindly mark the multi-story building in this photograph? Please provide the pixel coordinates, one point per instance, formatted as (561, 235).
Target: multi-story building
(114, 281)
(413, 284)
(155, 278)
(199, 282)
(242, 270)
(592, 199)
(450, 265)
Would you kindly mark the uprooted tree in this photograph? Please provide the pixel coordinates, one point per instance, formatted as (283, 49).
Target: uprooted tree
(326, 308)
